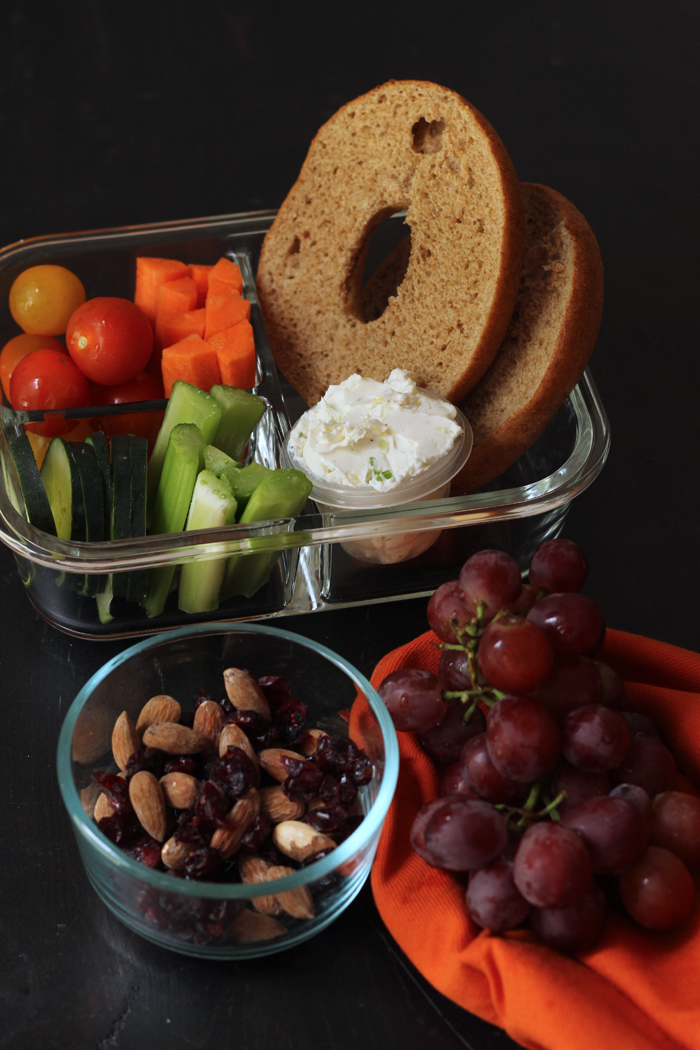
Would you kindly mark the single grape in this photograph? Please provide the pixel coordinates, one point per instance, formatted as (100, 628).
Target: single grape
(613, 694)
(514, 655)
(444, 742)
(493, 900)
(413, 698)
(574, 681)
(639, 724)
(483, 778)
(552, 868)
(528, 597)
(675, 825)
(634, 794)
(419, 825)
(522, 739)
(595, 738)
(572, 623)
(453, 670)
(578, 785)
(615, 832)
(648, 764)
(574, 929)
(452, 782)
(558, 565)
(490, 578)
(658, 891)
(447, 611)
(463, 834)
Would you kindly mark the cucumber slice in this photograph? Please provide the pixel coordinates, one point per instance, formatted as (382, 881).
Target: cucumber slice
(215, 460)
(187, 404)
(282, 494)
(98, 442)
(36, 501)
(137, 584)
(93, 502)
(183, 462)
(212, 505)
(241, 412)
(59, 473)
(121, 504)
(245, 481)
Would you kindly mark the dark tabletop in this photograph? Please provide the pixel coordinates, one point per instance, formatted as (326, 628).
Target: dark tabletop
(114, 114)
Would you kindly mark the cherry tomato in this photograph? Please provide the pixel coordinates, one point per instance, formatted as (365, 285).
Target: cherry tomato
(142, 424)
(47, 379)
(43, 298)
(19, 347)
(110, 340)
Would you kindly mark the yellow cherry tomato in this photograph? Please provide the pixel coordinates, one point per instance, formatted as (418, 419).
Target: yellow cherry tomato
(43, 298)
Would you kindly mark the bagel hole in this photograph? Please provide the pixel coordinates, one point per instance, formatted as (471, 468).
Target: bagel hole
(386, 262)
(427, 135)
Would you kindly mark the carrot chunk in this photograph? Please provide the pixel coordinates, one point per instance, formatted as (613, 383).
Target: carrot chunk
(200, 275)
(191, 360)
(235, 349)
(225, 273)
(224, 311)
(151, 273)
(178, 326)
(173, 298)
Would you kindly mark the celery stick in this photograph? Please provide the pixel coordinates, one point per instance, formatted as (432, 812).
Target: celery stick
(216, 461)
(212, 505)
(241, 411)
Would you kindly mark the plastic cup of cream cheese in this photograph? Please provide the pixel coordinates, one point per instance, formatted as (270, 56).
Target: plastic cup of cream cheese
(369, 445)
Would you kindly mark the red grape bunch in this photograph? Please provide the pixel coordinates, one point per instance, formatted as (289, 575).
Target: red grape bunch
(555, 801)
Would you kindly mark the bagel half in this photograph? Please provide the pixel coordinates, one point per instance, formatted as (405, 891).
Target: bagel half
(549, 342)
(405, 145)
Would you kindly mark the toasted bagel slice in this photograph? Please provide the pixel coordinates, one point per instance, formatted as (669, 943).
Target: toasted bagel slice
(549, 342)
(405, 145)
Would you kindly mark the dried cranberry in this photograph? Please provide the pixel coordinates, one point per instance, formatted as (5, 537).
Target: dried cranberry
(150, 759)
(202, 862)
(276, 690)
(146, 850)
(181, 764)
(256, 835)
(119, 828)
(338, 755)
(210, 806)
(234, 772)
(290, 718)
(116, 789)
(188, 830)
(327, 819)
(304, 785)
(250, 722)
(200, 697)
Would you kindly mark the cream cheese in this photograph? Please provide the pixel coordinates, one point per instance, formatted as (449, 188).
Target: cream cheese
(366, 433)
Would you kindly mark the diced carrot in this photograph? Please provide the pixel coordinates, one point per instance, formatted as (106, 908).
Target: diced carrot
(235, 348)
(178, 326)
(191, 360)
(224, 311)
(200, 275)
(151, 273)
(173, 298)
(224, 273)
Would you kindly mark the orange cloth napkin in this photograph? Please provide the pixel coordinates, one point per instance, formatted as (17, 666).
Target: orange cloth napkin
(635, 990)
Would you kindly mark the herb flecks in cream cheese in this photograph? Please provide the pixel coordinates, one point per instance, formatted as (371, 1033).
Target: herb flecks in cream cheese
(363, 432)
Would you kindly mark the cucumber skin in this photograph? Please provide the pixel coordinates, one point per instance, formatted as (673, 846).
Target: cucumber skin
(93, 502)
(36, 501)
(121, 504)
(137, 583)
(52, 461)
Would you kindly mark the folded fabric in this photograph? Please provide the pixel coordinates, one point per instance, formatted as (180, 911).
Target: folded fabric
(635, 990)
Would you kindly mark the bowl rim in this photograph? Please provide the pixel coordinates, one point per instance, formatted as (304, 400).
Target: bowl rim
(84, 827)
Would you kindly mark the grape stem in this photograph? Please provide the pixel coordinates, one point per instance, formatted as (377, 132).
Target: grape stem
(527, 814)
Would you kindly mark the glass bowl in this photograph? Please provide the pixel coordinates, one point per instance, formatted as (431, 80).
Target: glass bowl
(219, 920)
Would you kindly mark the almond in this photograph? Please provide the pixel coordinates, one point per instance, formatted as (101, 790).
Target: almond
(298, 903)
(161, 708)
(180, 789)
(125, 741)
(298, 840)
(233, 735)
(174, 739)
(147, 799)
(92, 735)
(245, 694)
(252, 926)
(174, 853)
(254, 869)
(271, 761)
(103, 807)
(208, 720)
(275, 805)
(239, 819)
(309, 743)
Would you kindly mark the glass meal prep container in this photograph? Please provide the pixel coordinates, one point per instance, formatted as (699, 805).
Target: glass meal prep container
(309, 566)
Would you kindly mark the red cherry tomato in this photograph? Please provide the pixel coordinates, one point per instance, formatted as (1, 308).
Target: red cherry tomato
(142, 424)
(48, 379)
(109, 339)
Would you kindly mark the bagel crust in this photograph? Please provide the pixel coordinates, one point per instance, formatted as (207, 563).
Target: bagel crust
(405, 145)
(550, 340)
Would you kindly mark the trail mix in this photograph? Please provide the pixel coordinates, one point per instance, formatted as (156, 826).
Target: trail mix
(240, 790)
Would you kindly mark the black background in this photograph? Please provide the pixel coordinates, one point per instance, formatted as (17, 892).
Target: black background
(115, 114)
